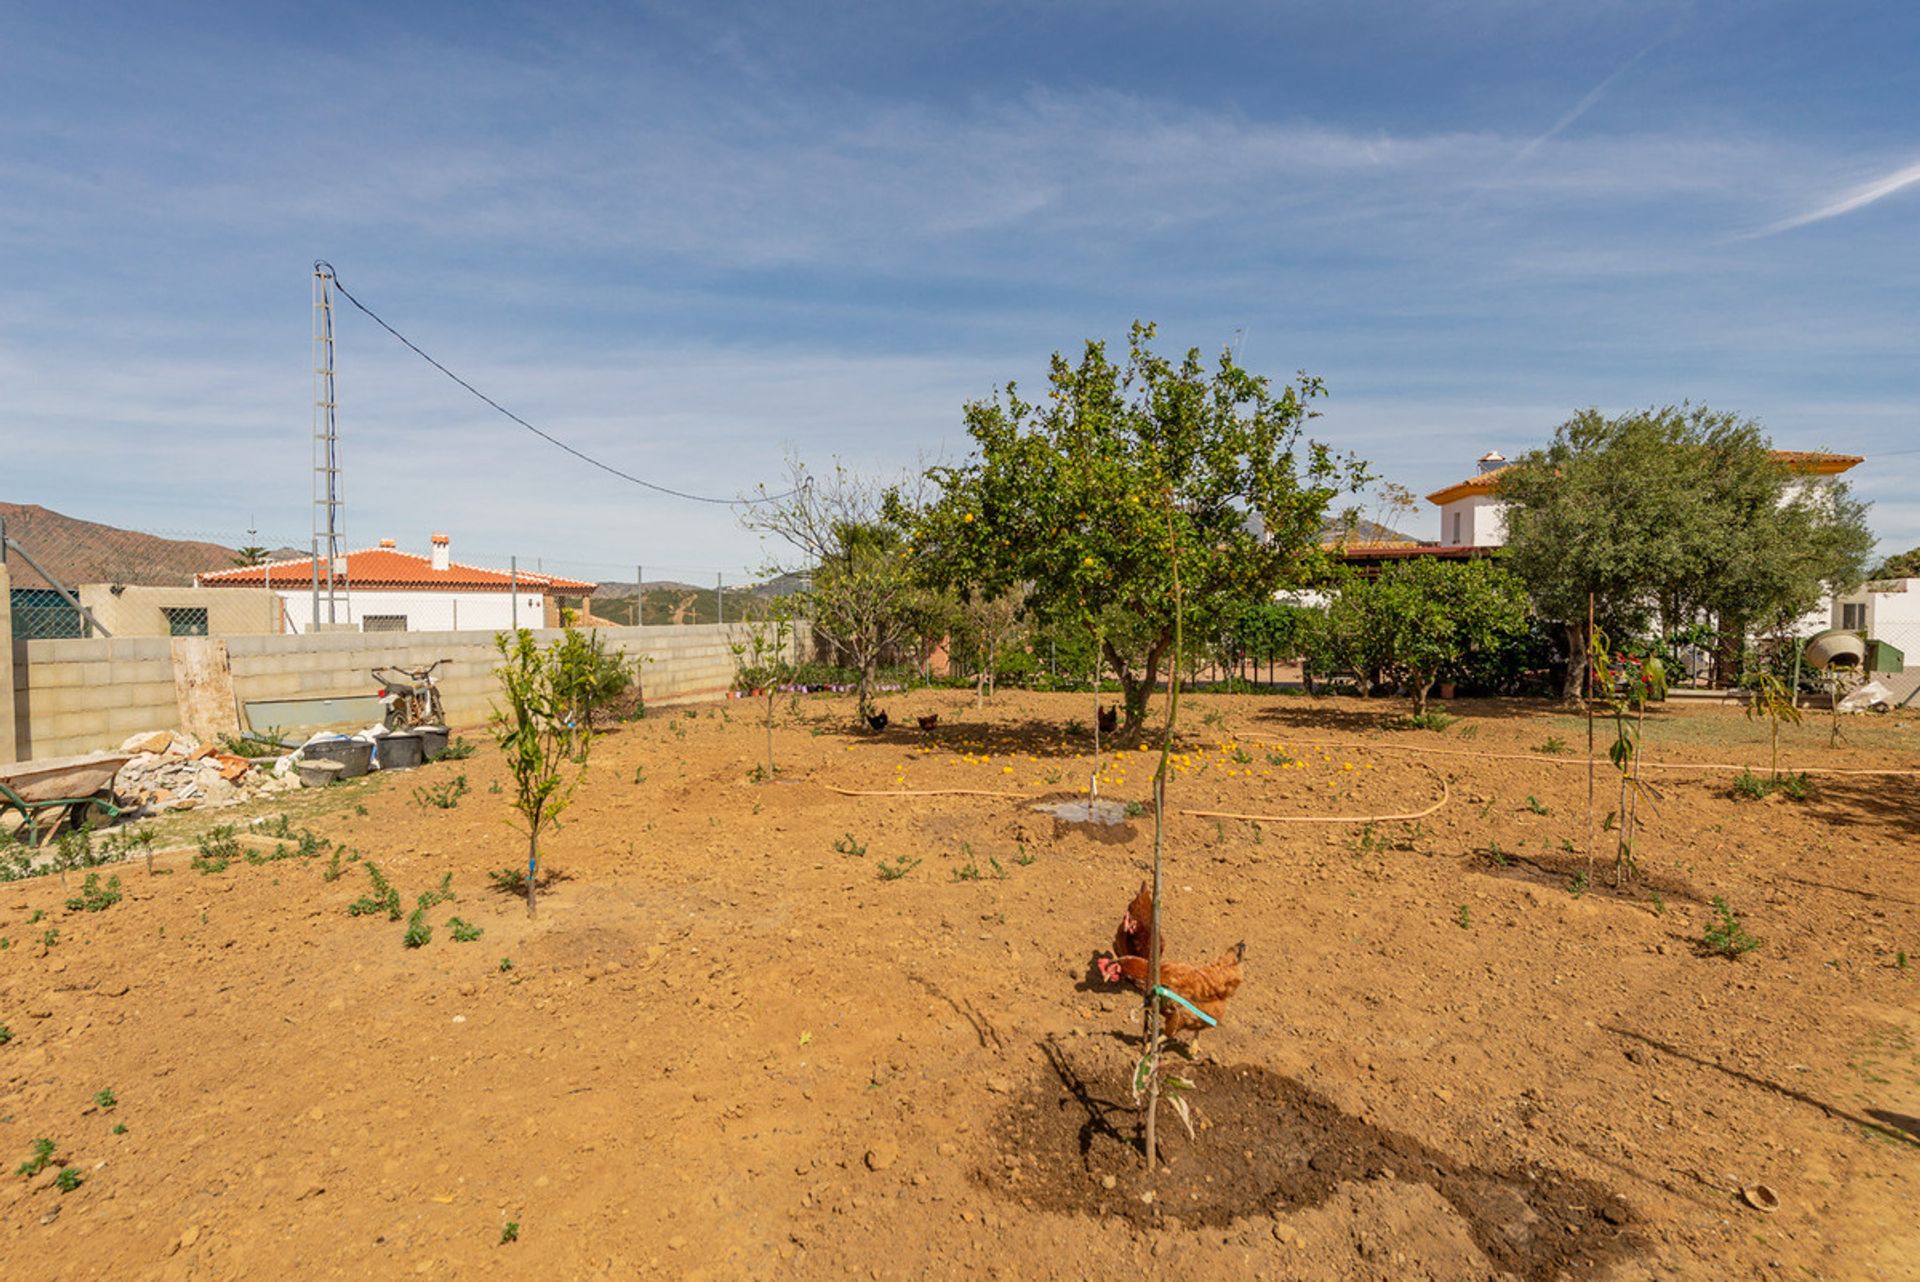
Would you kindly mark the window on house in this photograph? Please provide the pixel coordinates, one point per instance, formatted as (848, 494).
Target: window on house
(383, 623)
(185, 620)
(1456, 527)
(1853, 615)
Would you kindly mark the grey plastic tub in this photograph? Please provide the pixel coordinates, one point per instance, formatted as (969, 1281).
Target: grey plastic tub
(354, 755)
(401, 751)
(433, 741)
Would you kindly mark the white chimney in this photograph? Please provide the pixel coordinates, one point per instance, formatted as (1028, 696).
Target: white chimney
(1492, 461)
(442, 551)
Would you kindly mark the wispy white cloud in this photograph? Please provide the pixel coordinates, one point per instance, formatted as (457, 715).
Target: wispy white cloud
(1847, 202)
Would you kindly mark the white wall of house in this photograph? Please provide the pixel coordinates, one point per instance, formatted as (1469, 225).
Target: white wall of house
(424, 611)
(1886, 610)
(1477, 521)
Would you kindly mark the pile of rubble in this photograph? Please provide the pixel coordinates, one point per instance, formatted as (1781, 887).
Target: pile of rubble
(172, 772)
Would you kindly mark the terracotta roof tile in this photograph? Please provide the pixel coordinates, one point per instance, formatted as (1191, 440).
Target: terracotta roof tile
(388, 568)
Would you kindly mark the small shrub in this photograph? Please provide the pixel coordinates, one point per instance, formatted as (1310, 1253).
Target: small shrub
(899, 868)
(94, 897)
(1725, 935)
(1432, 719)
(458, 750)
(1795, 786)
(464, 932)
(1135, 809)
(1749, 786)
(1553, 746)
(68, 1180)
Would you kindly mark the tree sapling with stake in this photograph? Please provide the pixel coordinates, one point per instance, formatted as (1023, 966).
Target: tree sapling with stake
(534, 738)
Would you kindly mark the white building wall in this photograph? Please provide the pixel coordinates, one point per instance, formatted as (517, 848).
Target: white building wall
(1477, 521)
(425, 611)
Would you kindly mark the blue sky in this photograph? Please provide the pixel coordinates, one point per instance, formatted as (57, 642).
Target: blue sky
(692, 239)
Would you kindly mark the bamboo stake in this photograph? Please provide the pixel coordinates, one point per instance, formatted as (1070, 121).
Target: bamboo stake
(1155, 1018)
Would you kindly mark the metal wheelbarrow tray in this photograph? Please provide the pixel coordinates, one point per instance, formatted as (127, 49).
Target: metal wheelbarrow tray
(68, 785)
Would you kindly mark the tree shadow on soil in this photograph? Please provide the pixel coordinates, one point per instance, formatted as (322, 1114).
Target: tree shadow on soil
(1354, 715)
(1889, 804)
(1563, 873)
(1035, 737)
(1268, 1144)
(1887, 1125)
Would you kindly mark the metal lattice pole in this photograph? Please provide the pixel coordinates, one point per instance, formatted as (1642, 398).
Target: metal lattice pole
(330, 583)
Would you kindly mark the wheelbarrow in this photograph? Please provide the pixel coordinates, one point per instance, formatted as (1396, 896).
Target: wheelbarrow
(68, 787)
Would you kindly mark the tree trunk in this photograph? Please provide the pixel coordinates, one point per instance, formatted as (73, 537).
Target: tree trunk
(1575, 680)
(868, 669)
(1421, 686)
(1136, 690)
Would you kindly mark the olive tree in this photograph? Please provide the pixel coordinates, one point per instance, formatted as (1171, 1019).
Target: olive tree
(1070, 497)
(1672, 512)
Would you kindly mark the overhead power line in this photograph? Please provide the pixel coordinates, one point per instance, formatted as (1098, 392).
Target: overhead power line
(375, 317)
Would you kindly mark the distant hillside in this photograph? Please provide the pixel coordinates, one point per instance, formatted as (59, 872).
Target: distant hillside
(670, 601)
(77, 551)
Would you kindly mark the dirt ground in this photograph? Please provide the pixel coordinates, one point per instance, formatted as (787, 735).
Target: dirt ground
(729, 1047)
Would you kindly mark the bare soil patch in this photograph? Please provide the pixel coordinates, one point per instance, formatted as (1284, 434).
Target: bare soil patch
(772, 1031)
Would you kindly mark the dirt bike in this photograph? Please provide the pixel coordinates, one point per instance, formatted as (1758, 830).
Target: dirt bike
(411, 698)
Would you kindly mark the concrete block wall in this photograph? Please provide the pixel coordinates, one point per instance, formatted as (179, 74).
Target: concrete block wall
(75, 696)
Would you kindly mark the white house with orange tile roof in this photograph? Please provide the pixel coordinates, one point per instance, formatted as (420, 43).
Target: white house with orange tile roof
(387, 590)
(1473, 515)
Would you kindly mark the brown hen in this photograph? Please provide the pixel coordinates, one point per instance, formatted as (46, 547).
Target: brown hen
(1208, 987)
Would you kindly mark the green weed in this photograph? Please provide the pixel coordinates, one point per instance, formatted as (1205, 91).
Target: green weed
(69, 1179)
(51, 938)
(1553, 746)
(1024, 858)
(6, 1034)
(1536, 806)
(506, 964)
(464, 932)
(849, 845)
(105, 1099)
(897, 869)
(1464, 918)
(1579, 885)
(94, 897)
(458, 750)
(119, 1128)
(42, 1157)
(1659, 903)
(419, 930)
(38, 915)
(443, 796)
(1469, 731)
(1749, 786)
(1725, 935)
(1432, 719)
(510, 1232)
(383, 898)
(218, 848)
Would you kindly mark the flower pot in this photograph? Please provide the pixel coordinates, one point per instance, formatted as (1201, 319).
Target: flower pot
(1445, 690)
